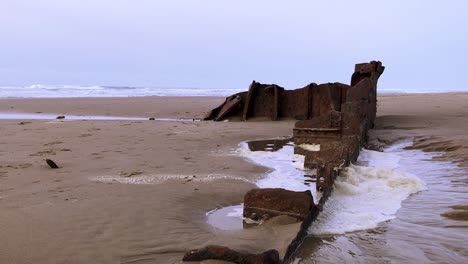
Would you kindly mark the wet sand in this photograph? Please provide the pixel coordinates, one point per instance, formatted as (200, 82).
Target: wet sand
(81, 213)
(435, 123)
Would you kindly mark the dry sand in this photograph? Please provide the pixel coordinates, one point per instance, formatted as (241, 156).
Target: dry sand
(80, 213)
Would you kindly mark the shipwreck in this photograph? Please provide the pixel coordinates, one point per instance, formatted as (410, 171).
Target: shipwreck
(333, 122)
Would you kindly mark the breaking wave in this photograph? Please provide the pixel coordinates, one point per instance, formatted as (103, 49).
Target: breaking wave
(63, 91)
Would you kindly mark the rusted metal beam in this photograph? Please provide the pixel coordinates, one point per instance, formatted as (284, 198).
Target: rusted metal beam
(248, 101)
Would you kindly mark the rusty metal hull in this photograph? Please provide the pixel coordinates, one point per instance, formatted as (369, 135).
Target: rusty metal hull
(314, 100)
(334, 116)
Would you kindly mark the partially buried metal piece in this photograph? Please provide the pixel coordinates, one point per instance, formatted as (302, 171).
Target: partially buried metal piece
(51, 164)
(227, 254)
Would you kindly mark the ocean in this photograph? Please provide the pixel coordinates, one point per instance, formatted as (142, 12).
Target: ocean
(63, 91)
(66, 91)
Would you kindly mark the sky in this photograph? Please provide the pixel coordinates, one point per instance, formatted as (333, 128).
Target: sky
(227, 44)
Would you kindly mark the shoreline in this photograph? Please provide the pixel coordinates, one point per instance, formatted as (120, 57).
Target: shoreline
(379, 94)
(167, 107)
(213, 95)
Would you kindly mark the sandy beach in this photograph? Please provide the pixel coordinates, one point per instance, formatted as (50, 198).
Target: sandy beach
(138, 191)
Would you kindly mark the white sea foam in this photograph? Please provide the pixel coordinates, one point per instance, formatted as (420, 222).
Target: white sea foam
(378, 159)
(287, 173)
(310, 147)
(287, 168)
(365, 196)
(61, 91)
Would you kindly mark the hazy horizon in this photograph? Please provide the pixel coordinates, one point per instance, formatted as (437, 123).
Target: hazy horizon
(227, 45)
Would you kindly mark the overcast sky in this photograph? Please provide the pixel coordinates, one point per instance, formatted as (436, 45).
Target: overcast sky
(214, 43)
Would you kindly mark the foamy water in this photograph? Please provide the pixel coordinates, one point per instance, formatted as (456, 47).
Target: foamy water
(287, 168)
(420, 232)
(364, 196)
(59, 91)
(63, 91)
(287, 173)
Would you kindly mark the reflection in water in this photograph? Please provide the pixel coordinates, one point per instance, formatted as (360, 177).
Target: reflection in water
(269, 144)
(460, 215)
(230, 218)
(226, 218)
(430, 227)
